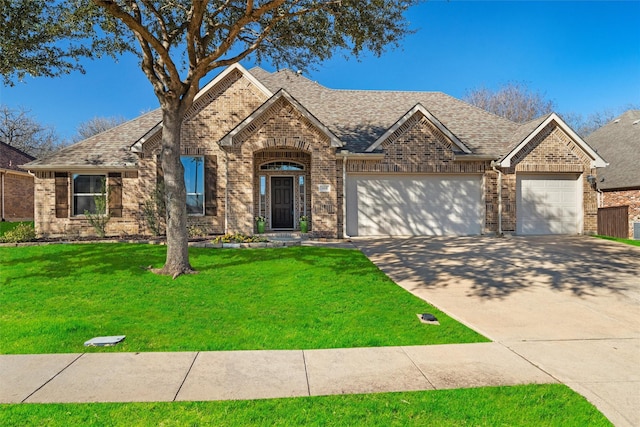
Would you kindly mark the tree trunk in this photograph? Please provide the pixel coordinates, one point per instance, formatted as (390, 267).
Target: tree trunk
(177, 261)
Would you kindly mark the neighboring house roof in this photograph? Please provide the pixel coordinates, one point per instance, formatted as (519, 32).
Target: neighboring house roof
(619, 143)
(108, 150)
(11, 158)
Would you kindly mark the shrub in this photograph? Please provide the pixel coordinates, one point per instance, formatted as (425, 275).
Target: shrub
(239, 238)
(23, 232)
(197, 231)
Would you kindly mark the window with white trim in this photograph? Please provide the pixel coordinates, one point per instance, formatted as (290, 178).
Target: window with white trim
(86, 188)
(194, 183)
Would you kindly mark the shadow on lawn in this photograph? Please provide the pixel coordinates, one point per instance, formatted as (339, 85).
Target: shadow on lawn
(60, 261)
(72, 260)
(494, 268)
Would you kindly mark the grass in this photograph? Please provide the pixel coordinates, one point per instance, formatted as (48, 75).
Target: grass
(617, 239)
(7, 226)
(539, 405)
(55, 297)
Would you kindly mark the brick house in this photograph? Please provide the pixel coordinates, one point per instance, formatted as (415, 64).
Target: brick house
(356, 163)
(16, 185)
(619, 143)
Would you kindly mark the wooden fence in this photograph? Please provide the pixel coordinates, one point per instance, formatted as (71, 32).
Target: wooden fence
(614, 221)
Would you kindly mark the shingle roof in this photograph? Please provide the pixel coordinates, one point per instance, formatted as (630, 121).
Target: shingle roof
(619, 143)
(109, 149)
(11, 158)
(359, 117)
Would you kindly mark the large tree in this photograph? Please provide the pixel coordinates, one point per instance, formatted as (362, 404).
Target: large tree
(43, 38)
(180, 41)
(21, 130)
(584, 125)
(513, 101)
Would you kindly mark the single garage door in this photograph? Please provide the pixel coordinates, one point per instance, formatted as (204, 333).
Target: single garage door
(548, 204)
(418, 205)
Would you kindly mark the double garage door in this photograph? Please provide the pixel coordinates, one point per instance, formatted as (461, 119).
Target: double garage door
(419, 205)
(548, 204)
(430, 205)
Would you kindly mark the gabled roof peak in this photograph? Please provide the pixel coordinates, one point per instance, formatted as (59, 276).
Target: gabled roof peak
(419, 109)
(227, 140)
(537, 125)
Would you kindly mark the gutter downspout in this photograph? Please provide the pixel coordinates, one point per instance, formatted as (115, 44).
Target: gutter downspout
(2, 194)
(226, 193)
(493, 166)
(344, 196)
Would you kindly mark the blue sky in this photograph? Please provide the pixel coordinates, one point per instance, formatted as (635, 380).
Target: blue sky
(584, 55)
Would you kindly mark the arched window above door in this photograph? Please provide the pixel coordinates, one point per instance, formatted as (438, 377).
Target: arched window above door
(282, 166)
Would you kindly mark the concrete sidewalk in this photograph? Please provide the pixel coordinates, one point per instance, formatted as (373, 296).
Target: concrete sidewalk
(222, 375)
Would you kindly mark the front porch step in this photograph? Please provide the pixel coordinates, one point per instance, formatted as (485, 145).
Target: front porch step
(283, 236)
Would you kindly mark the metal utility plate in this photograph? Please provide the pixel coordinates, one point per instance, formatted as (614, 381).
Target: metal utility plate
(427, 322)
(104, 341)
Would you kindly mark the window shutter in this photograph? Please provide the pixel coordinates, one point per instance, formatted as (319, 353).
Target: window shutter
(62, 194)
(210, 185)
(115, 194)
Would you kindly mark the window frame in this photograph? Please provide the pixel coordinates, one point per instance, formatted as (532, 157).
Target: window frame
(75, 194)
(200, 178)
(282, 166)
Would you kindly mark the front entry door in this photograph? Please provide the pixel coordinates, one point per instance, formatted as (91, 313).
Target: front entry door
(281, 202)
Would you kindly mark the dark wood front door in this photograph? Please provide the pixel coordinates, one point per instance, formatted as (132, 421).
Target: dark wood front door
(282, 202)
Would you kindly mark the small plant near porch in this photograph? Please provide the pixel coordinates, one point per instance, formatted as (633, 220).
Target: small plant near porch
(261, 224)
(304, 224)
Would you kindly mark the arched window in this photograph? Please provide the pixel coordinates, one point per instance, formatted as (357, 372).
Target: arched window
(282, 166)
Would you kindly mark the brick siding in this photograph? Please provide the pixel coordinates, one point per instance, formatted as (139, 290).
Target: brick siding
(17, 197)
(282, 133)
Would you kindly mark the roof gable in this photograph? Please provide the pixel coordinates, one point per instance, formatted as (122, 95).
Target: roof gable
(282, 94)
(418, 109)
(204, 97)
(538, 125)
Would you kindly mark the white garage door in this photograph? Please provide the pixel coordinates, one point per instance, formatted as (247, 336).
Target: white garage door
(548, 204)
(424, 205)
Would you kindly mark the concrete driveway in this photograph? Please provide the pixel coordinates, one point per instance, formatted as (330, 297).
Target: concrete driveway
(568, 304)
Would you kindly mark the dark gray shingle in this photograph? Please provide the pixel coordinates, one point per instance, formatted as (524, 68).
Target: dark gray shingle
(618, 142)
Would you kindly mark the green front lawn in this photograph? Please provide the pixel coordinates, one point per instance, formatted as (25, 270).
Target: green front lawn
(530, 405)
(55, 297)
(617, 239)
